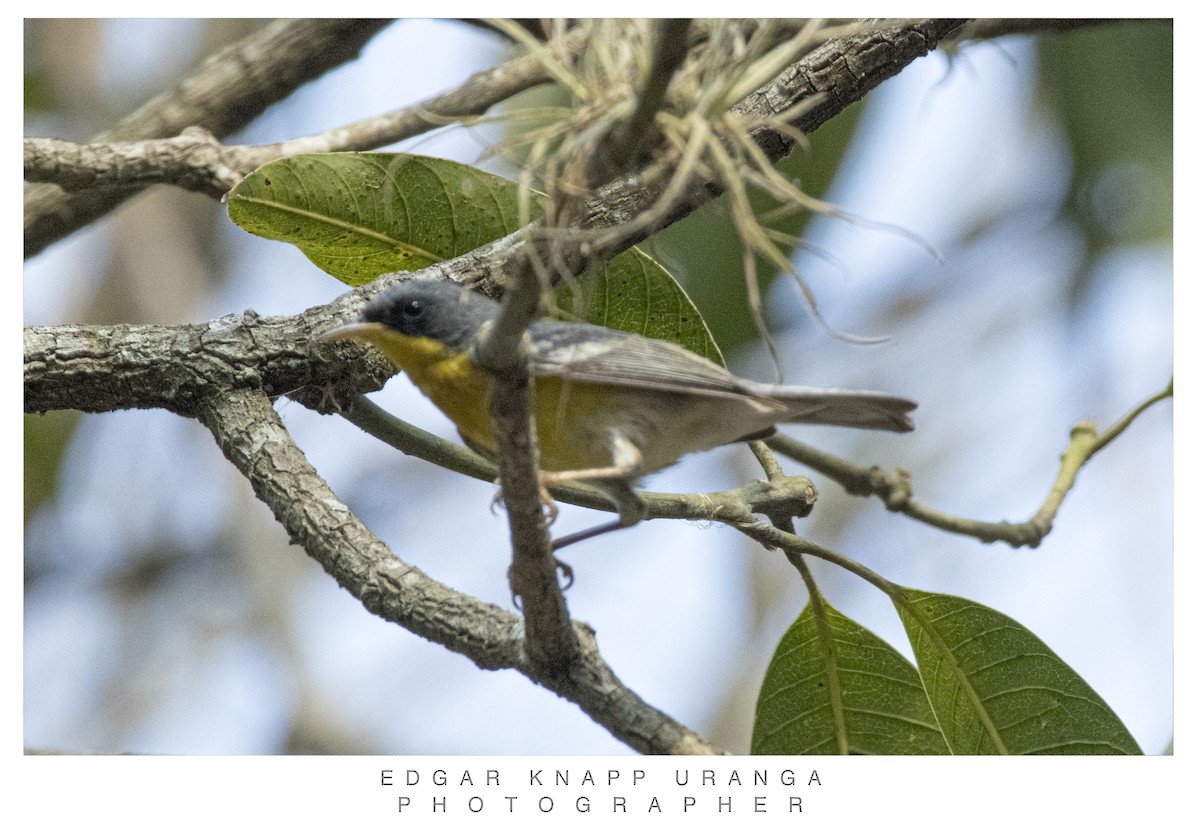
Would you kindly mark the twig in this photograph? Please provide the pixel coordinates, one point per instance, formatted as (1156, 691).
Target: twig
(622, 147)
(475, 96)
(895, 489)
(766, 459)
(1125, 421)
(792, 496)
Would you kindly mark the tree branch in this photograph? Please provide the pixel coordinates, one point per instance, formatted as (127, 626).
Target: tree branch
(192, 160)
(95, 368)
(227, 91)
(254, 439)
(621, 151)
(473, 97)
(195, 160)
(895, 489)
(792, 496)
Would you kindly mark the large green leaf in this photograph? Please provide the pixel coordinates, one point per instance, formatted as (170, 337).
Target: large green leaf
(359, 215)
(834, 687)
(996, 688)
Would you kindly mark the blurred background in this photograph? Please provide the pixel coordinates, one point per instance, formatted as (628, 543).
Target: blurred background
(165, 611)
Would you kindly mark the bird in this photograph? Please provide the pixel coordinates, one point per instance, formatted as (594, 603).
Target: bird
(610, 406)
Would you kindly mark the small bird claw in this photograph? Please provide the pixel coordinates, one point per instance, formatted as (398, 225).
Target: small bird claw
(548, 504)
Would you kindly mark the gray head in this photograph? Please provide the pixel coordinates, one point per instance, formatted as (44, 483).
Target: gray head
(435, 309)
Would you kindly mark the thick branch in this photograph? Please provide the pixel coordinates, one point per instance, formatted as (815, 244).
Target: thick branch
(251, 435)
(253, 438)
(95, 368)
(533, 576)
(192, 161)
(227, 91)
(98, 368)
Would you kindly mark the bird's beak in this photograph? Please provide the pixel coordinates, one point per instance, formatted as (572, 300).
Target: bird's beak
(356, 331)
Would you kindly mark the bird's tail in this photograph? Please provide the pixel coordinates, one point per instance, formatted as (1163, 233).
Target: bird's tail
(847, 408)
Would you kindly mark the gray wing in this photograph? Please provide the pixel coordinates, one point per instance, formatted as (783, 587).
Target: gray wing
(837, 406)
(616, 358)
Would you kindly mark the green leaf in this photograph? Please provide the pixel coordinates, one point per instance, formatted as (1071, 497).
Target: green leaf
(360, 215)
(634, 293)
(834, 687)
(996, 688)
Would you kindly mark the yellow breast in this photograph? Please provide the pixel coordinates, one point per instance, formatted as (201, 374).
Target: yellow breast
(573, 419)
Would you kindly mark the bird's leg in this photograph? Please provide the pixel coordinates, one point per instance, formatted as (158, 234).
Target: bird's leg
(614, 480)
(631, 509)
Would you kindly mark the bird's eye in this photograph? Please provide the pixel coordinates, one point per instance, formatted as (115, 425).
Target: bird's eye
(413, 309)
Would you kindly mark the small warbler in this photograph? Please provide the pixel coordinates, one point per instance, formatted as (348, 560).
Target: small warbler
(609, 406)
